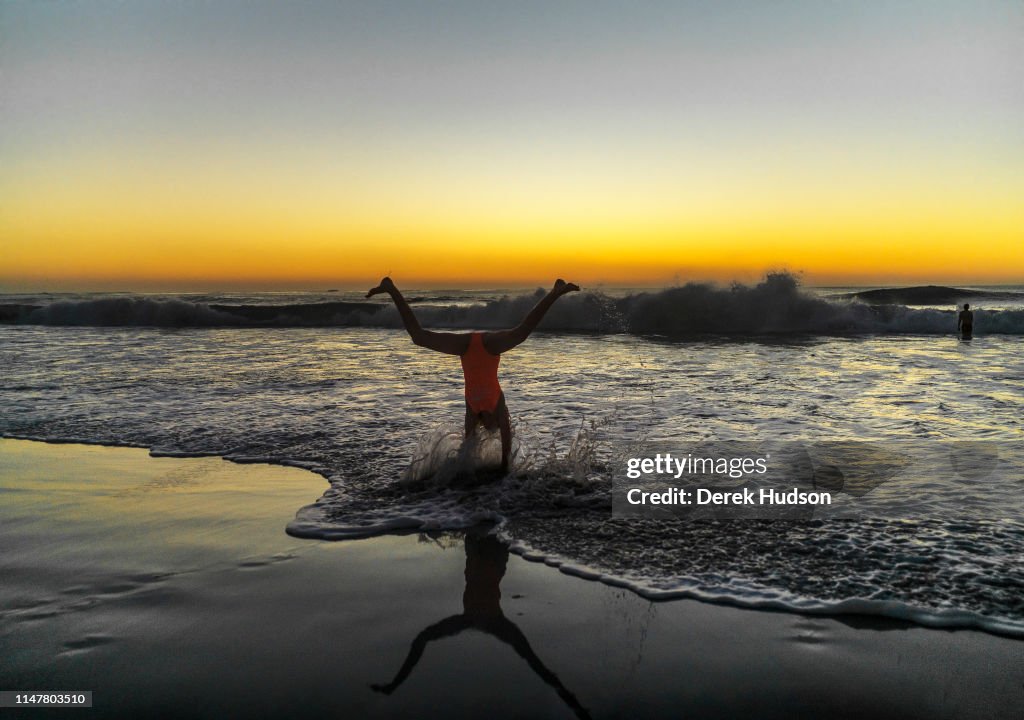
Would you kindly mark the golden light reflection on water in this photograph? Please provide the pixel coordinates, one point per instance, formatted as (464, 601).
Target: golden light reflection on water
(167, 510)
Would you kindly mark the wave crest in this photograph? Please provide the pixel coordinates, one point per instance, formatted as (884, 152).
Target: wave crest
(776, 305)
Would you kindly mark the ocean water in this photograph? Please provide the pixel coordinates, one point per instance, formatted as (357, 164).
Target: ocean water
(343, 391)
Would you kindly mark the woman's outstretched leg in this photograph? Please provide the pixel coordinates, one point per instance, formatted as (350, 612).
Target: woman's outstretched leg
(503, 341)
(450, 343)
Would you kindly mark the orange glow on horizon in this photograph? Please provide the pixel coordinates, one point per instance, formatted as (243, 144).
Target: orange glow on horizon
(85, 222)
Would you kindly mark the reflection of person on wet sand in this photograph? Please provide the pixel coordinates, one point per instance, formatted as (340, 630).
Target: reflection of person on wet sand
(965, 322)
(486, 558)
(485, 402)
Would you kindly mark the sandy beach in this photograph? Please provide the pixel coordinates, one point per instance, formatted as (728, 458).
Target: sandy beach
(168, 586)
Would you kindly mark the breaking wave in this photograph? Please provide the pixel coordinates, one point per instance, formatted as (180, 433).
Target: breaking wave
(147, 312)
(776, 305)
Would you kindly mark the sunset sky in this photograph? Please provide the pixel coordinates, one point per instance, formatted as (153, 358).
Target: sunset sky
(205, 145)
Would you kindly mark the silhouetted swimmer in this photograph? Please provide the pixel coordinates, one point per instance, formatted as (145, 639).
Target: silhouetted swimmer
(965, 323)
(480, 353)
(486, 558)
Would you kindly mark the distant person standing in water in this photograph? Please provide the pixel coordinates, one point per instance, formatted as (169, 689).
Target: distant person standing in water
(480, 353)
(965, 324)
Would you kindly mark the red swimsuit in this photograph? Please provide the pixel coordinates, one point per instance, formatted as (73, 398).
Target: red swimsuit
(480, 369)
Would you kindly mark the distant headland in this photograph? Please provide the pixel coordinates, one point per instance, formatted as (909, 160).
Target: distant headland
(928, 295)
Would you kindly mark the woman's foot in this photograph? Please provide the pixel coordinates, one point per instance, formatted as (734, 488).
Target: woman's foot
(386, 286)
(562, 287)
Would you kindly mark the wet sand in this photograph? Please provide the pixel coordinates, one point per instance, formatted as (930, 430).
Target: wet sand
(168, 586)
